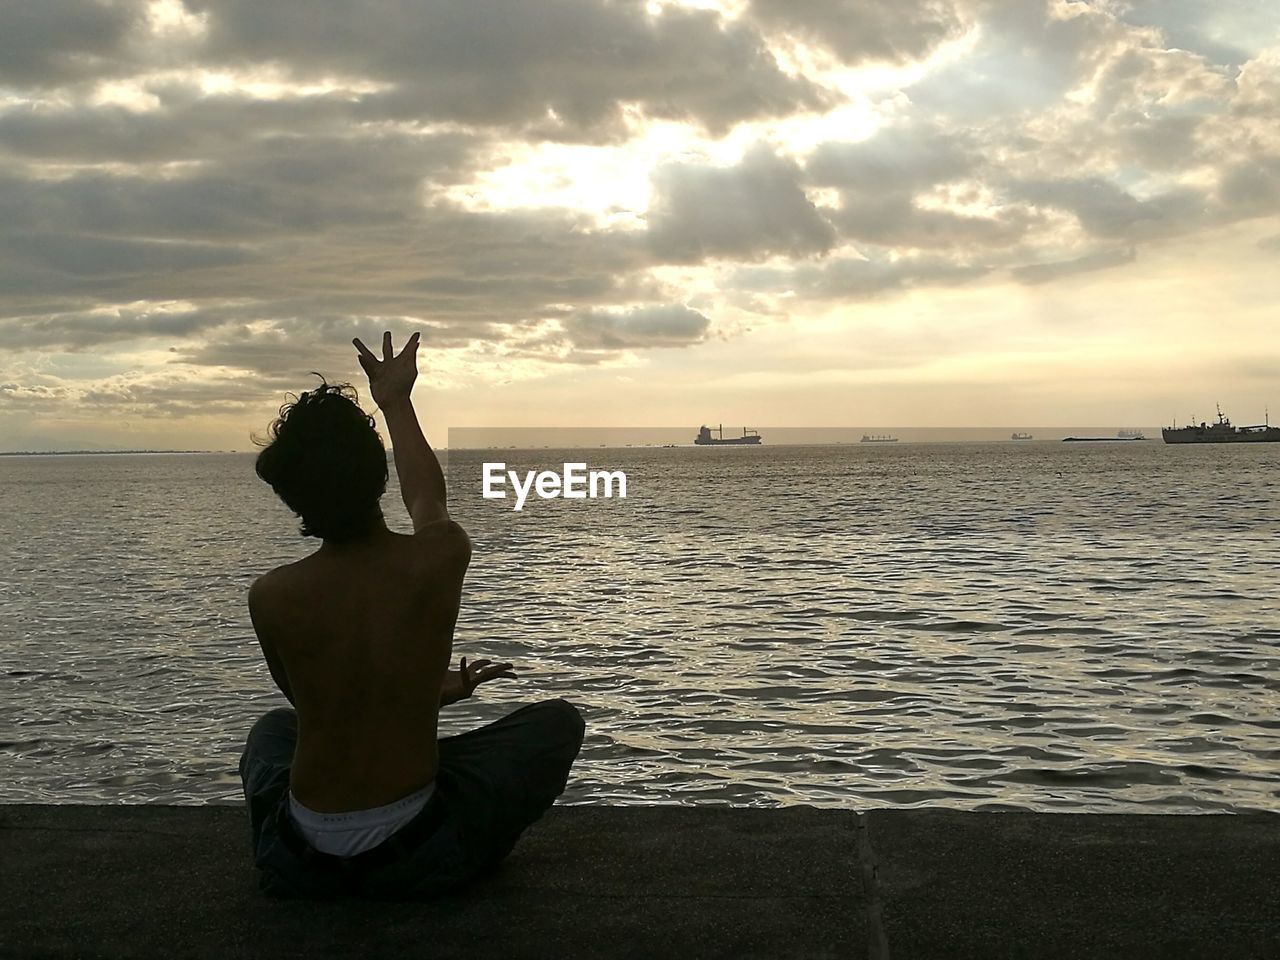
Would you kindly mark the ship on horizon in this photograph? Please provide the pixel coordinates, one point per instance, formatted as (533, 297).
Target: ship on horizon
(1222, 432)
(705, 439)
(877, 438)
(1022, 436)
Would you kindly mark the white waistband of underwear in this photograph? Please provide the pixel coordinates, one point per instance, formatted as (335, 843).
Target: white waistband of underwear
(354, 831)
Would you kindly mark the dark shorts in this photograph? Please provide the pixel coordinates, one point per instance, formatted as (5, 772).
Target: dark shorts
(493, 782)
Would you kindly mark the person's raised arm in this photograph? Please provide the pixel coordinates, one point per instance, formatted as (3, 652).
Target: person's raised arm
(390, 382)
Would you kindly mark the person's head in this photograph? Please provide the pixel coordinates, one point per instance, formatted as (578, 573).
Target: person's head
(325, 460)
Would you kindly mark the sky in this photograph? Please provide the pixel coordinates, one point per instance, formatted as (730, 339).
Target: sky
(914, 213)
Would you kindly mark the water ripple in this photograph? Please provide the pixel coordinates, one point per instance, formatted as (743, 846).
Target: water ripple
(954, 625)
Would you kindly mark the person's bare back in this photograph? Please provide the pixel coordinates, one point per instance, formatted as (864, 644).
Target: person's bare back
(364, 639)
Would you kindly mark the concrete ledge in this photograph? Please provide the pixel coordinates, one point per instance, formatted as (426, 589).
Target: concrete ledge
(1036, 886)
(667, 881)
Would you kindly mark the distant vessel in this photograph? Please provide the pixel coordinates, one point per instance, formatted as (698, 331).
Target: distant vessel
(878, 438)
(1222, 432)
(1022, 436)
(705, 439)
(1131, 435)
(1099, 439)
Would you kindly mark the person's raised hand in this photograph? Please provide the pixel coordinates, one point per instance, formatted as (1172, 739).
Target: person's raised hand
(391, 378)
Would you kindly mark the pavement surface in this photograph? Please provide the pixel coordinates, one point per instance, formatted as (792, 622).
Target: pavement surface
(669, 881)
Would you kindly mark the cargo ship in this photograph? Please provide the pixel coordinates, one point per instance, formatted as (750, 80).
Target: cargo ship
(1222, 432)
(705, 439)
(1022, 436)
(878, 438)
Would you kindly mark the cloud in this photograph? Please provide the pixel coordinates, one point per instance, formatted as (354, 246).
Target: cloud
(1225, 32)
(859, 30)
(283, 349)
(48, 42)
(896, 221)
(855, 278)
(895, 159)
(752, 210)
(1049, 48)
(359, 254)
(884, 183)
(563, 66)
(272, 185)
(74, 256)
(1100, 260)
(671, 325)
(217, 183)
(1105, 210)
(1251, 187)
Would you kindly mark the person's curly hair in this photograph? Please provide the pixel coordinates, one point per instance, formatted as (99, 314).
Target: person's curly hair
(325, 459)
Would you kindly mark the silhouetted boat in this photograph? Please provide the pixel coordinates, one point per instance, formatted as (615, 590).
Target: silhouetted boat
(1022, 436)
(878, 438)
(705, 439)
(1130, 435)
(1222, 432)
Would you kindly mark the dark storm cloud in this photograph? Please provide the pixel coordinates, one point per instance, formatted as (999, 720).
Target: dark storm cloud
(754, 209)
(508, 62)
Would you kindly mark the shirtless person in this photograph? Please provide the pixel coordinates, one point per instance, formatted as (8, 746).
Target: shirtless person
(350, 792)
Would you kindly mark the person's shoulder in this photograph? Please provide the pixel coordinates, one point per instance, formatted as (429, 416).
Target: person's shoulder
(279, 583)
(443, 540)
(267, 593)
(268, 584)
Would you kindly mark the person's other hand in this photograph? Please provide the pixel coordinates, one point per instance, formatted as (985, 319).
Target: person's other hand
(460, 684)
(392, 377)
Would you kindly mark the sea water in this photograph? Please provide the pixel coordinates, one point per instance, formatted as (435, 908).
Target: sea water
(992, 626)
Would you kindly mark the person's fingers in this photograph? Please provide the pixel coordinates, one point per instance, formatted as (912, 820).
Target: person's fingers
(365, 352)
(387, 352)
